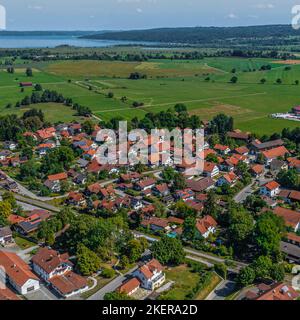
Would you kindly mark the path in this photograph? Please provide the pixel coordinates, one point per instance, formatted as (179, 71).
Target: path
(112, 286)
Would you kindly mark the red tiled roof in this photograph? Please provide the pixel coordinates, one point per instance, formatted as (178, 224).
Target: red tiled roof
(16, 268)
(221, 147)
(94, 188)
(276, 152)
(58, 176)
(272, 185)
(149, 268)
(258, 168)
(129, 286)
(203, 224)
(293, 237)
(68, 283)
(241, 150)
(291, 217)
(209, 166)
(279, 291)
(49, 259)
(7, 294)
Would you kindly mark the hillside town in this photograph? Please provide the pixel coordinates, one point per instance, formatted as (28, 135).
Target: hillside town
(72, 228)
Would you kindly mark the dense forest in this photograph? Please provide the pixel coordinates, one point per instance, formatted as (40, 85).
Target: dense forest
(282, 34)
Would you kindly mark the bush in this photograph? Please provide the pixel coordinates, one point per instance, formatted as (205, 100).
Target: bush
(108, 273)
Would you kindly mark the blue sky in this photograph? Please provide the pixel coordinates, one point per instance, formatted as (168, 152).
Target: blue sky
(142, 14)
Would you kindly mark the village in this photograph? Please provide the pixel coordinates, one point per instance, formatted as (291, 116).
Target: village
(50, 178)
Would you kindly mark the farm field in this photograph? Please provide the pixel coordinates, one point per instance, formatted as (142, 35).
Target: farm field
(168, 82)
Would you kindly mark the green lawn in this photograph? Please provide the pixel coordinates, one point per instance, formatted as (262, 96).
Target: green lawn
(24, 243)
(184, 279)
(248, 101)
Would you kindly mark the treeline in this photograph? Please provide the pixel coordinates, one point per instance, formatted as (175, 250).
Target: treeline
(53, 96)
(172, 118)
(201, 35)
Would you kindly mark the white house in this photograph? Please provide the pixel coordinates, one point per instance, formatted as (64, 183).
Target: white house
(18, 273)
(210, 169)
(151, 275)
(270, 189)
(206, 226)
(6, 236)
(56, 269)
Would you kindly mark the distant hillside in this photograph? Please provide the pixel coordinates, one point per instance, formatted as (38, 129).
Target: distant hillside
(50, 33)
(198, 35)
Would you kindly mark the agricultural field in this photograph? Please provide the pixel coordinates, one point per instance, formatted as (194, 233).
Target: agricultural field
(168, 82)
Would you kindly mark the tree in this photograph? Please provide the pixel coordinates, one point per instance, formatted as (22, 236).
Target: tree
(38, 87)
(221, 270)
(179, 182)
(254, 203)
(268, 233)
(168, 174)
(5, 209)
(88, 126)
(87, 261)
(279, 81)
(289, 178)
(234, 79)
(189, 228)
(278, 272)
(263, 81)
(116, 295)
(9, 197)
(168, 251)
(180, 107)
(29, 72)
(110, 95)
(134, 250)
(124, 262)
(296, 82)
(210, 205)
(246, 276)
(241, 225)
(263, 267)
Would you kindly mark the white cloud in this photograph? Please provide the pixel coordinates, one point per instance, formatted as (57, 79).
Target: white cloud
(139, 10)
(232, 16)
(35, 7)
(264, 6)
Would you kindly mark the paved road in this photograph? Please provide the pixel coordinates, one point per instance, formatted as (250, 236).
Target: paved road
(201, 256)
(243, 194)
(112, 286)
(223, 290)
(37, 203)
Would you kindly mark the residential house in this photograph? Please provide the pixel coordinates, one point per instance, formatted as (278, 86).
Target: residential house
(274, 292)
(277, 165)
(210, 169)
(6, 236)
(221, 149)
(184, 195)
(130, 286)
(18, 273)
(201, 185)
(56, 270)
(257, 146)
(291, 252)
(291, 217)
(161, 190)
(294, 163)
(272, 154)
(76, 199)
(228, 179)
(144, 184)
(156, 224)
(10, 145)
(239, 135)
(257, 170)
(290, 196)
(32, 222)
(206, 226)
(270, 189)
(151, 275)
(243, 151)
(53, 181)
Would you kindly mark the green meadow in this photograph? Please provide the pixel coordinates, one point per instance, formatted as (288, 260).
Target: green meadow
(168, 82)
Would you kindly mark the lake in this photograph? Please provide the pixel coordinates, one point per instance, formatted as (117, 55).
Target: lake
(52, 41)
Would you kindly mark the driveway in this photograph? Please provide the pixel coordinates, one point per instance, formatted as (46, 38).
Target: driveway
(42, 294)
(112, 286)
(223, 290)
